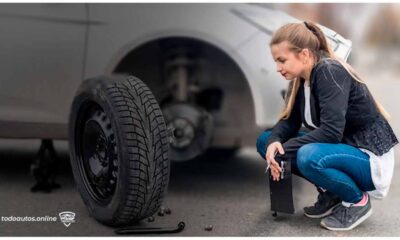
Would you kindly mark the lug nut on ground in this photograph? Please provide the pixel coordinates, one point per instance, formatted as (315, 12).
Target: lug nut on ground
(208, 228)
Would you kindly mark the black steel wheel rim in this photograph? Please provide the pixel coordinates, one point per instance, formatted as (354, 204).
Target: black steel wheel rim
(97, 153)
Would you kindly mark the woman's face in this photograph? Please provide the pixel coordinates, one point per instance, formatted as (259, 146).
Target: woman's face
(289, 64)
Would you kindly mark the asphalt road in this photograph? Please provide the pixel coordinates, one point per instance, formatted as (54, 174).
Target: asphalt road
(231, 194)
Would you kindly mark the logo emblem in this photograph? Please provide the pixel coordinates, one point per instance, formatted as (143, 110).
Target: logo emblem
(67, 218)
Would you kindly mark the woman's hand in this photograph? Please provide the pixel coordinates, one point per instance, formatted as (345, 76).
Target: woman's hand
(272, 149)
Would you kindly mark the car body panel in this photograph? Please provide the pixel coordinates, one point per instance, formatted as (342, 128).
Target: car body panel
(41, 60)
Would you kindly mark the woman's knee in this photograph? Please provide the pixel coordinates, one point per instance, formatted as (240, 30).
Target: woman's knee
(262, 141)
(307, 157)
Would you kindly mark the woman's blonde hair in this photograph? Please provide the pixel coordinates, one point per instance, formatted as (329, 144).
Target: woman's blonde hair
(309, 36)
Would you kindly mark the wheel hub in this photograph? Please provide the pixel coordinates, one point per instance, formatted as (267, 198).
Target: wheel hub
(183, 132)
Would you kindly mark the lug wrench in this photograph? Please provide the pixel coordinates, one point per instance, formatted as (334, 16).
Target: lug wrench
(151, 230)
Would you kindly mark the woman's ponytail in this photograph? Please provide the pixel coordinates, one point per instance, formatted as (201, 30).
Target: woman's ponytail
(324, 47)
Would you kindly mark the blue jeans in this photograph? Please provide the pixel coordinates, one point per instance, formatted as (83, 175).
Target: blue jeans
(338, 168)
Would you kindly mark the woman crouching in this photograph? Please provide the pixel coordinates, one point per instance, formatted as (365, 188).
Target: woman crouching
(348, 152)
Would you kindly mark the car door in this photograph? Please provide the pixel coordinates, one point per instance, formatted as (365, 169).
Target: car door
(42, 49)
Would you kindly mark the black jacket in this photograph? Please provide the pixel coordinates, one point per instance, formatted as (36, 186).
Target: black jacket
(342, 109)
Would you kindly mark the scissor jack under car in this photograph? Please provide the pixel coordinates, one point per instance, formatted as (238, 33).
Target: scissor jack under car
(281, 191)
(44, 168)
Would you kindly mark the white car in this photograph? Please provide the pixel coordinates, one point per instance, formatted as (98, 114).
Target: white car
(208, 66)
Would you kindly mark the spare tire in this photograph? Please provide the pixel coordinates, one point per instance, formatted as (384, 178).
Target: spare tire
(118, 149)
